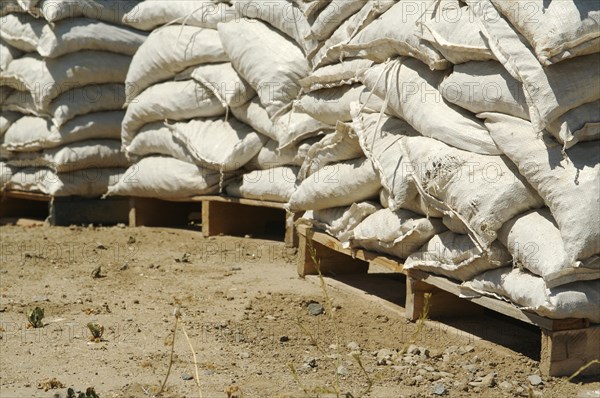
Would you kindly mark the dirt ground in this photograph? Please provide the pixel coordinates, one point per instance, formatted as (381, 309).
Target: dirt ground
(247, 316)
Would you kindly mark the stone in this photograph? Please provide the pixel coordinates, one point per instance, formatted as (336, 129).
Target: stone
(506, 386)
(315, 309)
(487, 381)
(353, 346)
(439, 389)
(342, 371)
(535, 380)
(186, 376)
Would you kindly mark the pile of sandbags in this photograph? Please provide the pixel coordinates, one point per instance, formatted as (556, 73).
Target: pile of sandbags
(179, 128)
(62, 82)
(481, 130)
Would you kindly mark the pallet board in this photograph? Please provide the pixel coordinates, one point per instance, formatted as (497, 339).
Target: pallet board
(63, 211)
(567, 344)
(222, 215)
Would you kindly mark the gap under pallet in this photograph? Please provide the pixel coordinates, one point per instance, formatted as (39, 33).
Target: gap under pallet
(63, 211)
(566, 344)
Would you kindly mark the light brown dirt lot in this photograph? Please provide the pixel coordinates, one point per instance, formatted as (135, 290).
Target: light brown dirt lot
(245, 310)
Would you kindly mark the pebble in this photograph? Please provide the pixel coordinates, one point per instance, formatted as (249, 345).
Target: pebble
(284, 339)
(439, 389)
(413, 350)
(384, 353)
(466, 349)
(487, 381)
(310, 362)
(353, 346)
(244, 355)
(186, 376)
(535, 380)
(506, 386)
(315, 309)
(342, 371)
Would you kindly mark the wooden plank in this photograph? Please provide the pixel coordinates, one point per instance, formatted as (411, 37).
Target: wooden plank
(364, 255)
(439, 304)
(150, 212)
(499, 306)
(70, 210)
(243, 201)
(330, 261)
(33, 196)
(223, 215)
(565, 352)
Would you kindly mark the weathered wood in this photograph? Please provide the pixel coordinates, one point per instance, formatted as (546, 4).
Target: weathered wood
(564, 352)
(439, 304)
(359, 254)
(75, 210)
(151, 212)
(240, 217)
(330, 261)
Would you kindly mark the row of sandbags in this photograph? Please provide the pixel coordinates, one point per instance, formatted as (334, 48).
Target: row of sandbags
(62, 81)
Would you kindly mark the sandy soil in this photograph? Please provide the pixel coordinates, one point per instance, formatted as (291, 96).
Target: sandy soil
(246, 313)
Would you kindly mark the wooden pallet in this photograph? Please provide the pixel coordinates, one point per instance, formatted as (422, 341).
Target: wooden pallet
(150, 212)
(566, 344)
(239, 217)
(63, 211)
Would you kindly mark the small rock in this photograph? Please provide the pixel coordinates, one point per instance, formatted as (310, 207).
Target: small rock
(439, 389)
(353, 346)
(136, 301)
(464, 350)
(186, 376)
(124, 267)
(519, 391)
(315, 309)
(131, 240)
(236, 268)
(471, 368)
(535, 380)
(284, 339)
(410, 382)
(487, 381)
(506, 386)
(384, 353)
(418, 379)
(310, 362)
(342, 371)
(100, 246)
(413, 350)
(244, 355)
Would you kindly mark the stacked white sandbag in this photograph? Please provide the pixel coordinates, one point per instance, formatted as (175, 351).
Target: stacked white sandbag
(181, 86)
(63, 67)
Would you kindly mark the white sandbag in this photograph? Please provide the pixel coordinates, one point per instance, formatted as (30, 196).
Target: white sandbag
(578, 125)
(311, 8)
(111, 11)
(457, 257)
(332, 16)
(557, 30)
(6, 120)
(7, 54)
(570, 186)
(457, 35)
(412, 91)
(151, 14)
(336, 185)
(395, 33)
(283, 15)
(6, 173)
(218, 144)
(339, 74)
(28, 5)
(84, 100)
(482, 191)
(379, 137)
(77, 34)
(398, 233)
(417, 205)
(293, 127)
(224, 82)
(549, 92)
(166, 178)
(275, 185)
(266, 59)
(332, 49)
(330, 105)
(530, 293)
(46, 79)
(76, 156)
(157, 139)
(455, 224)
(254, 114)
(485, 87)
(30, 134)
(10, 6)
(89, 183)
(170, 50)
(335, 147)
(535, 243)
(180, 100)
(22, 31)
(339, 222)
(271, 157)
